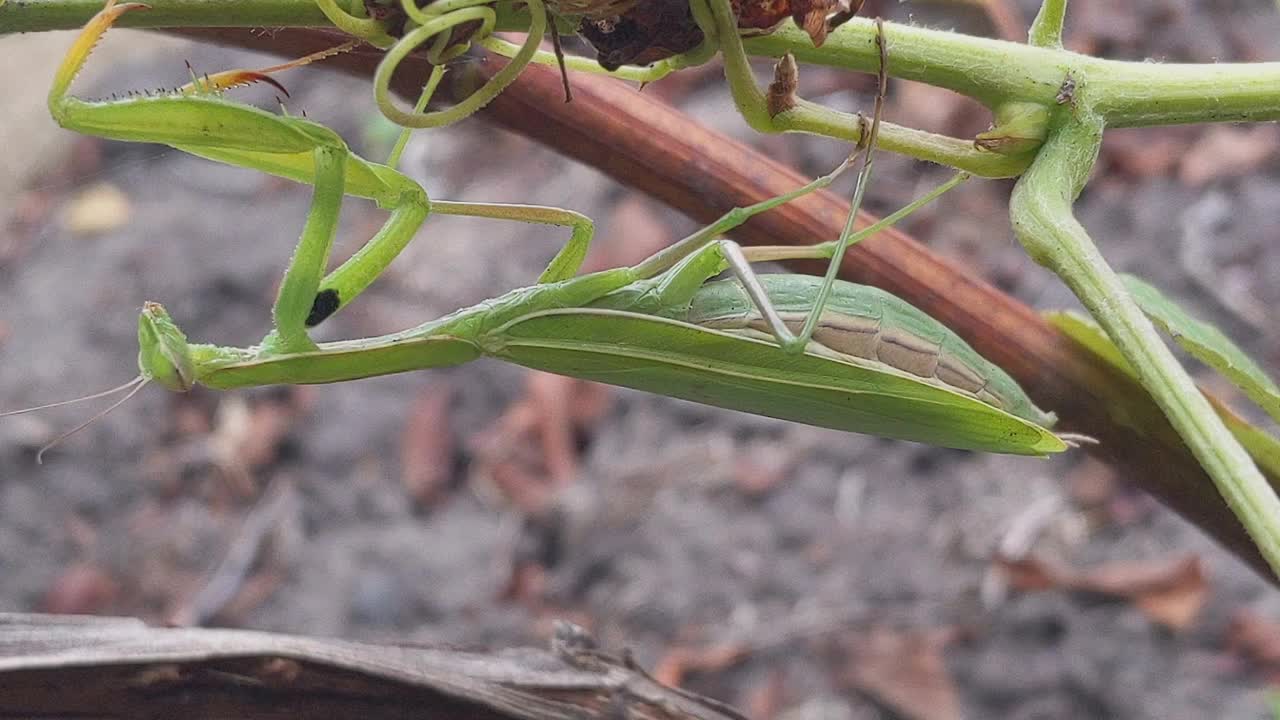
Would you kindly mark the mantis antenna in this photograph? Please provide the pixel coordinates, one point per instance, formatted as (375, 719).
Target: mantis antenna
(133, 386)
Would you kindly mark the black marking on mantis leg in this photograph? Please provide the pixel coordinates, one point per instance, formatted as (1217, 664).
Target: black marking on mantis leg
(326, 303)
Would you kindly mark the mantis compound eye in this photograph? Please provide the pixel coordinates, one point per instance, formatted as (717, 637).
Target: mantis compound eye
(163, 352)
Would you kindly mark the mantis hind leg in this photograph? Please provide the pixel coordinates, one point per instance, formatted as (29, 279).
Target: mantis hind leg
(673, 289)
(798, 343)
(738, 261)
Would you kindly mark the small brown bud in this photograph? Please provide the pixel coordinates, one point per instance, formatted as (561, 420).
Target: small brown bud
(782, 91)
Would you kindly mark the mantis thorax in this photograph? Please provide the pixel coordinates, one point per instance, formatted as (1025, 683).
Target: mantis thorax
(164, 355)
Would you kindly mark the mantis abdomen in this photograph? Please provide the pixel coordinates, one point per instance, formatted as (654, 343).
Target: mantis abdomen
(872, 325)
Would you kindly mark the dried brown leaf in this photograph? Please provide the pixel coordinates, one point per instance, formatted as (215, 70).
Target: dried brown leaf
(1176, 602)
(589, 403)
(81, 589)
(811, 16)
(643, 34)
(1227, 151)
(761, 466)
(764, 700)
(781, 96)
(527, 585)
(531, 451)
(678, 662)
(523, 489)
(247, 435)
(1150, 152)
(256, 590)
(427, 446)
(269, 424)
(636, 231)
(550, 394)
(904, 670)
(930, 108)
(761, 14)
(1091, 484)
(1006, 18)
(1254, 638)
(1169, 593)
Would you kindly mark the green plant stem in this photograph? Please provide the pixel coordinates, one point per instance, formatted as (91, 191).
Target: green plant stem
(1040, 208)
(817, 119)
(41, 15)
(1128, 94)
(810, 117)
(1046, 29)
(995, 72)
(942, 149)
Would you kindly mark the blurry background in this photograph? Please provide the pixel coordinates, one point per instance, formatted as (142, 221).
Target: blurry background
(791, 571)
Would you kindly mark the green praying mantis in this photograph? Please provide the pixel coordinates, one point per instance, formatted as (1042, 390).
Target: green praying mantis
(813, 350)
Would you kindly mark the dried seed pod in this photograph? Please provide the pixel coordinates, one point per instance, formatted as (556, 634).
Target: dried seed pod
(648, 32)
(815, 17)
(782, 91)
(645, 32)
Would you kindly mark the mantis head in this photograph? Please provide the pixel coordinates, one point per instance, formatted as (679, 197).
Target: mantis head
(163, 352)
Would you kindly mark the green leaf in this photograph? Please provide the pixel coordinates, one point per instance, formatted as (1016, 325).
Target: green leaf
(1261, 446)
(1208, 345)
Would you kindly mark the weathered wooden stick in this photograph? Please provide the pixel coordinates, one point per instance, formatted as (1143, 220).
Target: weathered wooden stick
(66, 666)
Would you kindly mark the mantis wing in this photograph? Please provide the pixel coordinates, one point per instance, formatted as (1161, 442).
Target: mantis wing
(738, 372)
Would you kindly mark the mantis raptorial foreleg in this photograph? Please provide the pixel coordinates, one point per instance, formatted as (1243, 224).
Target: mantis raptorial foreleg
(197, 119)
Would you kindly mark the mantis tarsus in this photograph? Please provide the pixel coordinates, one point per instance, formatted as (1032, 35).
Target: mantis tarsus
(822, 352)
